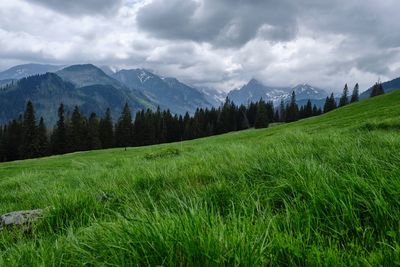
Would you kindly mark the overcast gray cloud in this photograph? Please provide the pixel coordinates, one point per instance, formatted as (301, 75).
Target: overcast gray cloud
(81, 7)
(213, 43)
(223, 22)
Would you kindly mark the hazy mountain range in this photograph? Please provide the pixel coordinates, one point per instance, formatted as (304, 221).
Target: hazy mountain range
(168, 93)
(95, 89)
(255, 90)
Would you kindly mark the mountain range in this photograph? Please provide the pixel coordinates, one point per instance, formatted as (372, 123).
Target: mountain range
(168, 93)
(83, 85)
(95, 89)
(26, 70)
(92, 90)
(254, 90)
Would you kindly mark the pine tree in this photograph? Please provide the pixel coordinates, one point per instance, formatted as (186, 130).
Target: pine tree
(355, 94)
(28, 146)
(187, 127)
(270, 111)
(151, 125)
(124, 128)
(292, 112)
(242, 122)
(78, 131)
(344, 99)
(106, 130)
(261, 116)
(13, 138)
(42, 141)
(316, 111)
(2, 151)
(377, 89)
(330, 103)
(251, 113)
(308, 110)
(276, 116)
(227, 117)
(59, 137)
(93, 132)
(282, 111)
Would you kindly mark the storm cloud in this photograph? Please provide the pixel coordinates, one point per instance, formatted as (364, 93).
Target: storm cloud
(211, 43)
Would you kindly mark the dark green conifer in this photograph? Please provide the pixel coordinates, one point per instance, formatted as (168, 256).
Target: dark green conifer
(355, 94)
(261, 115)
(28, 145)
(344, 99)
(106, 130)
(124, 128)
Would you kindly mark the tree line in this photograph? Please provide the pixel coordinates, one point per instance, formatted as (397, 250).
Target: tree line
(27, 137)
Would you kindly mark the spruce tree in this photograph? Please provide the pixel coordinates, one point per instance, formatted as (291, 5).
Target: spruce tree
(355, 94)
(13, 138)
(78, 131)
(227, 117)
(292, 112)
(261, 115)
(308, 110)
(151, 124)
(106, 130)
(187, 127)
(243, 121)
(270, 111)
(377, 89)
(2, 152)
(344, 99)
(124, 128)
(330, 103)
(276, 116)
(282, 111)
(251, 113)
(93, 132)
(28, 146)
(59, 137)
(42, 141)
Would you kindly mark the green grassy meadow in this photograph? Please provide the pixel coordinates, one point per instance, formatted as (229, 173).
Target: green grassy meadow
(321, 191)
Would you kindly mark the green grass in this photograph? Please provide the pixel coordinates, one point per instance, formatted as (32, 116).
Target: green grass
(322, 191)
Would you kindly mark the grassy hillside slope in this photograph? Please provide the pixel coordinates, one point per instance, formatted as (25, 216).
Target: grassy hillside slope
(322, 191)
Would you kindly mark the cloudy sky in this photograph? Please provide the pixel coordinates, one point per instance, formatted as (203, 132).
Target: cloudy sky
(211, 43)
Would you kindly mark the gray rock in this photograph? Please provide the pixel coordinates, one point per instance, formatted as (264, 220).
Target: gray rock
(20, 218)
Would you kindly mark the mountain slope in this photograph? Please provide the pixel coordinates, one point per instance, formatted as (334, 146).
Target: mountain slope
(169, 93)
(47, 91)
(306, 91)
(321, 191)
(86, 75)
(22, 71)
(254, 90)
(388, 87)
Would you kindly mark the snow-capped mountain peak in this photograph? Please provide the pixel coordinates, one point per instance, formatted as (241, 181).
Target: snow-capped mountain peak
(143, 76)
(254, 90)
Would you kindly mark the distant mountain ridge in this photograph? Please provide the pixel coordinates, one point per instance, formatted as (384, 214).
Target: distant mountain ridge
(97, 88)
(87, 75)
(254, 90)
(388, 87)
(26, 70)
(168, 93)
(83, 85)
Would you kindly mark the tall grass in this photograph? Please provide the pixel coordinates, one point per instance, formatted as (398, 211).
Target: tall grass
(323, 191)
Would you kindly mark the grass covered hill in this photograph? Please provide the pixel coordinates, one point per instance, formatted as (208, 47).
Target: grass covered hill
(321, 191)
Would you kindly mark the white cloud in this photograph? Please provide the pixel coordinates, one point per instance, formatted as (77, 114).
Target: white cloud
(219, 44)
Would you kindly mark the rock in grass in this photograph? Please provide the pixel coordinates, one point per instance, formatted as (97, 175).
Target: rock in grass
(20, 218)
